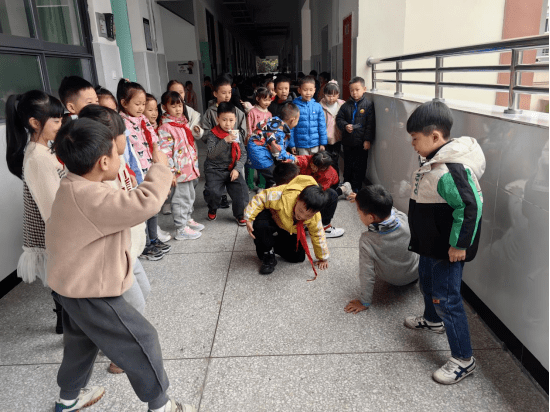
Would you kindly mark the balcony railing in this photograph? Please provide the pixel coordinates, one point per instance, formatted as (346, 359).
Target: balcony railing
(515, 68)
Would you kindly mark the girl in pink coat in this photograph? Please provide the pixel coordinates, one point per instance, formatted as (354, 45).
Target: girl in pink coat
(331, 103)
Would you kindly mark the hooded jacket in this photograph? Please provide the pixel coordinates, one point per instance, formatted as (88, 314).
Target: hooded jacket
(311, 130)
(446, 200)
(359, 113)
(266, 132)
(275, 107)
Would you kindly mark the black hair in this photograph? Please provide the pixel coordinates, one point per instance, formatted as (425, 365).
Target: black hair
(103, 93)
(149, 97)
(431, 116)
(188, 82)
(331, 88)
(269, 80)
(221, 81)
(282, 79)
(171, 98)
(261, 93)
(105, 116)
(226, 107)
(173, 82)
(325, 75)
(357, 80)
(19, 109)
(126, 90)
(314, 197)
(375, 199)
(80, 143)
(304, 80)
(71, 86)
(313, 73)
(288, 111)
(207, 78)
(285, 172)
(322, 160)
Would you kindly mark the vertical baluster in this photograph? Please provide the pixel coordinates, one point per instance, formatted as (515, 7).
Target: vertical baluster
(398, 78)
(373, 79)
(438, 79)
(513, 98)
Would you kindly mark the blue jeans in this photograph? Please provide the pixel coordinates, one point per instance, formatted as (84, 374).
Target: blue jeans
(440, 284)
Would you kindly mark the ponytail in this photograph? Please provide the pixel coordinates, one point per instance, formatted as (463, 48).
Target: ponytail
(16, 137)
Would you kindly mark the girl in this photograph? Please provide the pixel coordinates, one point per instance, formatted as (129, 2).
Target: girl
(191, 96)
(105, 98)
(269, 84)
(192, 116)
(177, 141)
(32, 121)
(331, 103)
(151, 110)
(131, 101)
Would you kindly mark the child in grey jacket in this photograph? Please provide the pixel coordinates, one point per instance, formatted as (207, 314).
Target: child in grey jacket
(383, 248)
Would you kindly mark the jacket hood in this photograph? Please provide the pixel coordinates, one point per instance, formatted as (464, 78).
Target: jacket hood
(387, 226)
(299, 183)
(465, 150)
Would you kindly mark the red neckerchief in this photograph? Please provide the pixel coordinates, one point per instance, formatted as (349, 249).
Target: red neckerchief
(148, 136)
(186, 129)
(302, 240)
(235, 148)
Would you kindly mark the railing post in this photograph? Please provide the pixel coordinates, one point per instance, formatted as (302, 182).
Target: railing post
(398, 78)
(513, 98)
(438, 79)
(373, 79)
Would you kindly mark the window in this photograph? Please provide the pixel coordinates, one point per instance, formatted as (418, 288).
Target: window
(42, 41)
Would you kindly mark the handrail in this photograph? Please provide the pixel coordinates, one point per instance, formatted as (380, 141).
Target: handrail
(516, 46)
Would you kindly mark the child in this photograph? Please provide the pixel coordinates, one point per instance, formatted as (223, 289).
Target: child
(356, 121)
(32, 120)
(275, 219)
(75, 93)
(151, 111)
(269, 141)
(331, 104)
(224, 165)
(193, 117)
(324, 77)
(444, 219)
(131, 101)
(178, 143)
(310, 135)
(88, 281)
(105, 98)
(282, 91)
(191, 96)
(383, 248)
(269, 84)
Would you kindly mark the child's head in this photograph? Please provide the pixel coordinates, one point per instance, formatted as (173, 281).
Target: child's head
(35, 113)
(324, 77)
(130, 97)
(374, 204)
(357, 88)
(189, 85)
(332, 92)
(290, 114)
(270, 85)
(306, 88)
(105, 98)
(75, 93)
(151, 108)
(86, 146)
(172, 103)
(227, 116)
(430, 127)
(222, 89)
(320, 162)
(176, 86)
(262, 97)
(282, 87)
(285, 172)
(310, 201)
(207, 80)
(313, 74)
(111, 119)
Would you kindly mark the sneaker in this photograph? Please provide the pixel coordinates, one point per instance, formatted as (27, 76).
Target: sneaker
(163, 235)
(151, 253)
(187, 234)
(167, 209)
(212, 215)
(161, 246)
(194, 225)
(114, 369)
(331, 231)
(173, 406)
(87, 397)
(240, 221)
(419, 323)
(224, 203)
(454, 371)
(346, 189)
(268, 263)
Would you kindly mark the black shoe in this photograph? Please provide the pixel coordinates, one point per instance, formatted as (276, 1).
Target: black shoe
(268, 263)
(224, 203)
(151, 253)
(161, 246)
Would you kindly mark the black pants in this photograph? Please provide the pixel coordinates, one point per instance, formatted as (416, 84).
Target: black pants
(327, 213)
(269, 235)
(268, 176)
(216, 181)
(355, 166)
(334, 151)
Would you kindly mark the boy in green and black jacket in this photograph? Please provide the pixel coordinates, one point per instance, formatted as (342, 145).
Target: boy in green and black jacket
(445, 221)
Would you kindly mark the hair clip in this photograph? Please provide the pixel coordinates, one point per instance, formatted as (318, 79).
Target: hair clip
(333, 82)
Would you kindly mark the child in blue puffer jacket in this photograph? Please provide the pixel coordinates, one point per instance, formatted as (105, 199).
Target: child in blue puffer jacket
(310, 135)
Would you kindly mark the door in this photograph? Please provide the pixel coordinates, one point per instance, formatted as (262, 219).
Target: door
(346, 53)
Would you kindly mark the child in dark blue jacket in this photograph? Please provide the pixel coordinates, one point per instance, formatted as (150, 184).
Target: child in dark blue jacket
(310, 135)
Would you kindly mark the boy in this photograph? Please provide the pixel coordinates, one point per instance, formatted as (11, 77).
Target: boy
(224, 165)
(89, 281)
(275, 219)
(75, 93)
(444, 218)
(356, 121)
(282, 91)
(269, 141)
(383, 248)
(310, 135)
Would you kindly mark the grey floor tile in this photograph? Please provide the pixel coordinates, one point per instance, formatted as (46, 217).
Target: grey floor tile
(364, 382)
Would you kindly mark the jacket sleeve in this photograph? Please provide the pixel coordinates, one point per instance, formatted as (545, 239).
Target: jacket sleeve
(256, 205)
(166, 143)
(302, 162)
(207, 124)
(366, 272)
(242, 126)
(43, 182)
(341, 121)
(459, 190)
(242, 161)
(250, 124)
(291, 140)
(370, 125)
(195, 120)
(323, 140)
(318, 238)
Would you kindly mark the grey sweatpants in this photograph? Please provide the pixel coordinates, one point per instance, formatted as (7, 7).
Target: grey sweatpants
(137, 294)
(122, 334)
(183, 198)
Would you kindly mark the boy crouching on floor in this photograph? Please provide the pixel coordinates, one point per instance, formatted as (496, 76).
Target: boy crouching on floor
(89, 269)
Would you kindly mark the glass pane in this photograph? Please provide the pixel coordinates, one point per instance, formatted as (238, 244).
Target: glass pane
(19, 74)
(59, 67)
(59, 21)
(15, 18)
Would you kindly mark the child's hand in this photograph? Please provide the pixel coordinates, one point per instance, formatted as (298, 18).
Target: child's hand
(293, 150)
(174, 181)
(322, 264)
(250, 229)
(321, 148)
(349, 128)
(133, 181)
(366, 145)
(352, 197)
(234, 175)
(197, 129)
(230, 138)
(456, 255)
(159, 156)
(355, 306)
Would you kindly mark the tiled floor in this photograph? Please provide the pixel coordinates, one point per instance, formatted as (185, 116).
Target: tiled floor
(236, 341)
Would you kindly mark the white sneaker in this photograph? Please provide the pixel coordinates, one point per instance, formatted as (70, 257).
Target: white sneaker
(162, 235)
(86, 397)
(167, 209)
(332, 231)
(187, 234)
(419, 323)
(195, 225)
(454, 371)
(346, 189)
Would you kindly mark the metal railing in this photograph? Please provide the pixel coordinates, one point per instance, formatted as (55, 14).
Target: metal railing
(515, 68)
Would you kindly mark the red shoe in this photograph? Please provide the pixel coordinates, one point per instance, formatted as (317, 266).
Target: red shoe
(211, 215)
(241, 221)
